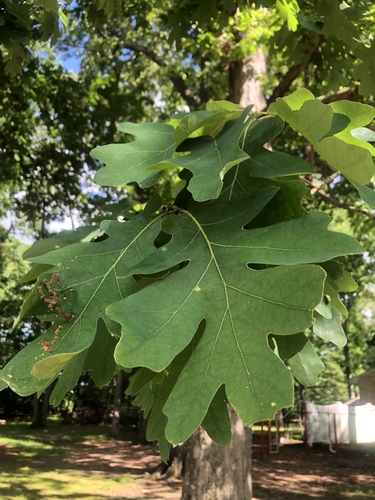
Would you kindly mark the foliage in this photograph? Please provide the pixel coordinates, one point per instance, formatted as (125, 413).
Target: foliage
(188, 290)
(331, 384)
(144, 60)
(44, 147)
(214, 291)
(21, 23)
(336, 131)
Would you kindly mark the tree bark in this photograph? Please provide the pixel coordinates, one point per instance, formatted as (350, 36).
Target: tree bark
(214, 473)
(40, 409)
(347, 367)
(115, 425)
(243, 80)
(210, 472)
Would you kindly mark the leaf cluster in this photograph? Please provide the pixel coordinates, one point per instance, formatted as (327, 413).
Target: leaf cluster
(204, 294)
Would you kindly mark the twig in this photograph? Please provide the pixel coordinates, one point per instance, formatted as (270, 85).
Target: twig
(350, 94)
(316, 189)
(285, 83)
(177, 81)
(14, 226)
(326, 182)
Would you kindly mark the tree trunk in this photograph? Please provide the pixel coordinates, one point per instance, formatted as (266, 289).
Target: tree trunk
(348, 370)
(243, 80)
(214, 473)
(210, 472)
(40, 409)
(115, 426)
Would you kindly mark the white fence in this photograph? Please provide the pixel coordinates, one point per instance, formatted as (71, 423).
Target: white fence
(346, 424)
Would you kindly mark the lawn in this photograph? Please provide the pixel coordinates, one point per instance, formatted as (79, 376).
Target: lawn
(75, 462)
(30, 484)
(83, 462)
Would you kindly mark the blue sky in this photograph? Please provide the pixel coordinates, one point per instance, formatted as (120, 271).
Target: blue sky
(71, 63)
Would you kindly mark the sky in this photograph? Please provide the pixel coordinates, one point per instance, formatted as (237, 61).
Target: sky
(70, 63)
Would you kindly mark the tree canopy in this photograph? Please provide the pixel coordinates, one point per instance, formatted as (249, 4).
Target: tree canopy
(214, 291)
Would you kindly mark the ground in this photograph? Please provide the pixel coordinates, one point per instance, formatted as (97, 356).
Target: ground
(297, 473)
(120, 470)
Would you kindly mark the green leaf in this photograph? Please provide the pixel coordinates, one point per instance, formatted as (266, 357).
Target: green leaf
(68, 379)
(270, 164)
(209, 159)
(145, 400)
(367, 194)
(324, 308)
(365, 70)
(192, 122)
(302, 240)
(17, 373)
(153, 143)
(241, 306)
(91, 276)
(359, 114)
(14, 59)
(48, 5)
(298, 352)
(35, 271)
(50, 367)
(339, 123)
(138, 380)
(288, 11)
(3, 384)
(102, 367)
(64, 238)
(334, 269)
(303, 112)
(314, 120)
(363, 134)
(157, 420)
(284, 206)
(224, 105)
(208, 122)
(217, 422)
(346, 282)
(330, 329)
(338, 25)
(336, 303)
(64, 20)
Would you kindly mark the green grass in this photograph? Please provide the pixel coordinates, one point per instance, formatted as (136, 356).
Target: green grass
(356, 493)
(28, 484)
(30, 475)
(55, 439)
(55, 436)
(31, 448)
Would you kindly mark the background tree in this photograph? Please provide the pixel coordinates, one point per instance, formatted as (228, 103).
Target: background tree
(222, 38)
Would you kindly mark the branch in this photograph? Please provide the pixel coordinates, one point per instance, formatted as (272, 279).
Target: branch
(326, 182)
(296, 70)
(334, 201)
(350, 93)
(14, 225)
(177, 81)
(285, 83)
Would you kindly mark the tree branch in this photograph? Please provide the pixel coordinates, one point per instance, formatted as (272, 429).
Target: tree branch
(334, 201)
(14, 225)
(351, 93)
(177, 81)
(285, 83)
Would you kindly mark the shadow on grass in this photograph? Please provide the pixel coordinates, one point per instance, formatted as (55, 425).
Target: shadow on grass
(75, 463)
(26, 483)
